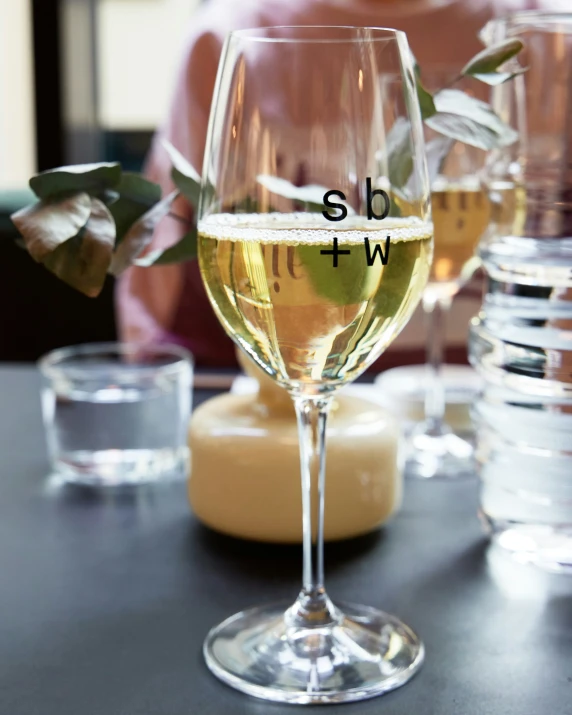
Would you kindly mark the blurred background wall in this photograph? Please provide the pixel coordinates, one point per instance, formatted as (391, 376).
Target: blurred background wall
(136, 70)
(17, 140)
(80, 81)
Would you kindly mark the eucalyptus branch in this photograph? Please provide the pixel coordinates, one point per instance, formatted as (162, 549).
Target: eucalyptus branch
(95, 219)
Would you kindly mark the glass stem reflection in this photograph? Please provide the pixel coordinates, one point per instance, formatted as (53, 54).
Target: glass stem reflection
(436, 309)
(313, 607)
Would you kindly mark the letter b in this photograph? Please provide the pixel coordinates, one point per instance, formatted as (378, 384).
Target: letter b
(370, 194)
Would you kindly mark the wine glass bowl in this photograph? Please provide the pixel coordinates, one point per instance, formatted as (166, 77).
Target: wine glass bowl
(461, 213)
(316, 326)
(461, 206)
(313, 269)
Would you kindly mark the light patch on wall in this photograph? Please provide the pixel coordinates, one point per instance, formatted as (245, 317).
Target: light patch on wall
(139, 50)
(17, 137)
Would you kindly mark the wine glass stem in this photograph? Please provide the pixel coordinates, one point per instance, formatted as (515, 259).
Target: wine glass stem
(313, 607)
(436, 310)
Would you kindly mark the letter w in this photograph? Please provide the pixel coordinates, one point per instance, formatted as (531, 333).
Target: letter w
(377, 249)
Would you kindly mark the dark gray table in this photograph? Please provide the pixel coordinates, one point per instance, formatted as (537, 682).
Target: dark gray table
(104, 602)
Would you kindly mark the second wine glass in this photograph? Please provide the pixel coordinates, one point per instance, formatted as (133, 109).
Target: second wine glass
(461, 214)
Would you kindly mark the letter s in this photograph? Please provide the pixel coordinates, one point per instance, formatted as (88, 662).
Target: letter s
(333, 205)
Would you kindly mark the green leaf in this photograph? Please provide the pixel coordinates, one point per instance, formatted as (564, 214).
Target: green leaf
(312, 194)
(470, 121)
(92, 178)
(415, 64)
(350, 283)
(491, 58)
(399, 159)
(136, 195)
(183, 250)
(396, 274)
(426, 102)
(436, 151)
(47, 224)
(108, 196)
(83, 261)
(184, 175)
(139, 236)
(495, 78)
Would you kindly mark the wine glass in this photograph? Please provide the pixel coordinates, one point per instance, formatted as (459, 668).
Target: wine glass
(461, 214)
(298, 112)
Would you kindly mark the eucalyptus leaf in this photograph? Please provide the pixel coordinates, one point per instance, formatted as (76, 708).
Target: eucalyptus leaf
(47, 224)
(426, 101)
(136, 196)
(425, 98)
(183, 250)
(310, 194)
(436, 151)
(140, 235)
(84, 210)
(184, 175)
(92, 178)
(400, 265)
(491, 58)
(470, 121)
(464, 129)
(495, 78)
(83, 261)
(350, 283)
(416, 67)
(399, 159)
(108, 196)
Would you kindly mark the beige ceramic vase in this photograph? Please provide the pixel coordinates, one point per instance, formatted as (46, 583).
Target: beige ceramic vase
(245, 465)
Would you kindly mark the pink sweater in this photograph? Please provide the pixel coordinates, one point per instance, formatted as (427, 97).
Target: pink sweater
(168, 303)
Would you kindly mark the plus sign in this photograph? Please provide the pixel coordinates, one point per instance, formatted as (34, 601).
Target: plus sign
(335, 252)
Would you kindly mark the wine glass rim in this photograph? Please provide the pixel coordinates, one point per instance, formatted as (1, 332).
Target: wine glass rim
(536, 18)
(257, 34)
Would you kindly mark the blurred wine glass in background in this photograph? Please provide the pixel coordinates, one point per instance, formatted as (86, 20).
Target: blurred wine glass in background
(461, 213)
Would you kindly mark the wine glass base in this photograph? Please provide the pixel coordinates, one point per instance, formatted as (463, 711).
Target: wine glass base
(363, 654)
(445, 456)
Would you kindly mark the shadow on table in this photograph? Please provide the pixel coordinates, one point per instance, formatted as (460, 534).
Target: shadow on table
(484, 588)
(125, 495)
(282, 561)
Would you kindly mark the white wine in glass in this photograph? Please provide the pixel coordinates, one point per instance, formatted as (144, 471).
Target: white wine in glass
(314, 296)
(317, 324)
(461, 214)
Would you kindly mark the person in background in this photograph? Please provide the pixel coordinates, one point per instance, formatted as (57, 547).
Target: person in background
(169, 303)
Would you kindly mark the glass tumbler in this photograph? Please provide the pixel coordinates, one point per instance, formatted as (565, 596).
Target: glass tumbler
(116, 413)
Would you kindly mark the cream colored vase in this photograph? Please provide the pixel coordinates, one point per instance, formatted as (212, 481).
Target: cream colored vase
(245, 465)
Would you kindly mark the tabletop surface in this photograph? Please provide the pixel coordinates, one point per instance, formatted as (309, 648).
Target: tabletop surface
(105, 601)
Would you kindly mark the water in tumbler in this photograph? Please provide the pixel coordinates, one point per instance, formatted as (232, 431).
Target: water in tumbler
(110, 422)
